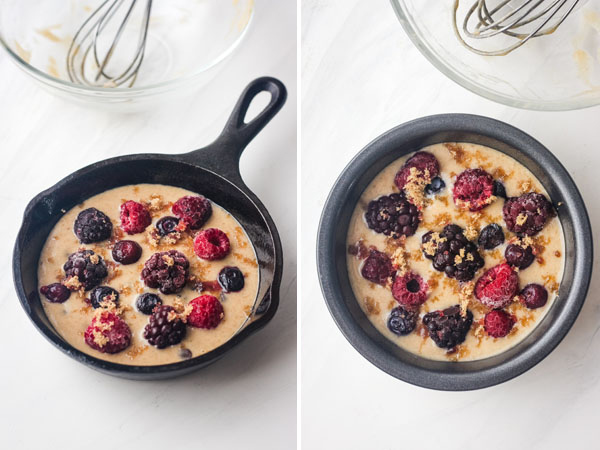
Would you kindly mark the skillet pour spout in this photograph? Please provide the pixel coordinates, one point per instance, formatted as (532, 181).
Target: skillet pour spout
(213, 172)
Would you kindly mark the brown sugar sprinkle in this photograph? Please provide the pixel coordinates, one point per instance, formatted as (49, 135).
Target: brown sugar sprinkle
(399, 261)
(248, 310)
(246, 260)
(169, 261)
(459, 353)
(152, 237)
(240, 238)
(444, 200)
(525, 186)
(521, 219)
(541, 261)
(72, 283)
(371, 306)
(551, 283)
(471, 232)
(94, 259)
(136, 351)
(439, 221)
(391, 304)
(415, 187)
(99, 338)
(138, 287)
(458, 153)
(557, 253)
(434, 280)
(500, 174)
(416, 255)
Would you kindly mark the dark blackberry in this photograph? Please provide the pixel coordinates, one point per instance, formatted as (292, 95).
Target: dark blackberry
(499, 190)
(517, 256)
(92, 225)
(167, 225)
(55, 292)
(231, 279)
(421, 161)
(162, 332)
(435, 187)
(100, 294)
(491, 236)
(193, 210)
(448, 328)
(527, 214)
(452, 253)
(166, 271)
(392, 215)
(146, 302)
(127, 252)
(377, 268)
(88, 267)
(402, 321)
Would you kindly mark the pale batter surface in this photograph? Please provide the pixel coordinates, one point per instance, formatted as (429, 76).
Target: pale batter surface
(377, 301)
(72, 317)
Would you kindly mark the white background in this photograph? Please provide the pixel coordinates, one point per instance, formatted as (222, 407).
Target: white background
(361, 76)
(246, 400)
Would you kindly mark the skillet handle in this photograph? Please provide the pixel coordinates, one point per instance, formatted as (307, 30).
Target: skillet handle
(223, 155)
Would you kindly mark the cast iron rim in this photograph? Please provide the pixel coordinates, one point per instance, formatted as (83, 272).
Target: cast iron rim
(449, 379)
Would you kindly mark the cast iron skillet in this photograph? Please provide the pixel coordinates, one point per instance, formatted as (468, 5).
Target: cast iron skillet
(212, 171)
(331, 252)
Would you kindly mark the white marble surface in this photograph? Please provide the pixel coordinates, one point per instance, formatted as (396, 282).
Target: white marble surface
(360, 77)
(248, 399)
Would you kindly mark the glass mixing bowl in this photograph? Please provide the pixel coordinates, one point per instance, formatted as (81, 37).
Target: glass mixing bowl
(560, 71)
(187, 41)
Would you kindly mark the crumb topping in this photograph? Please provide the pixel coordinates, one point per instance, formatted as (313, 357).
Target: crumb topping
(521, 219)
(399, 261)
(73, 283)
(415, 186)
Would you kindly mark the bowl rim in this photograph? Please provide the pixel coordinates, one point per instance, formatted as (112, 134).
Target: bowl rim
(449, 379)
(453, 74)
(125, 91)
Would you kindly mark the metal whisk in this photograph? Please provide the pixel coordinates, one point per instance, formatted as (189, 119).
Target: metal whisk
(85, 64)
(520, 20)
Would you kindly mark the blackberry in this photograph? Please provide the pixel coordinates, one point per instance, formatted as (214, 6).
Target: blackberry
(448, 328)
(92, 225)
(421, 161)
(491, 236)
(193, 211)
(402, 321)
(167, 271)
(517, 256)
(377, 268)
(167, 225)
(162, 332)
(436, 186)
(527, 214)
(452, 253)
(88, 267)
(99, 294)
(146, 302)
(231, 279)
(392, 215)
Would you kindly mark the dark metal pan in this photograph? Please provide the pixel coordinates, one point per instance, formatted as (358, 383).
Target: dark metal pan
(212, 171)
(331, 252)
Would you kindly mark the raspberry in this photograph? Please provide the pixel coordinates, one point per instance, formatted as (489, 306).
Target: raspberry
(448, 328)
(88, 267)
(402, 321)
(92, 225)
(108, 333)
(146, 303)
(207, 312)
(473, 189)
(410, 290)
(527, 214)
(231, 279)
(211, 244)
(497, 287)
(103, 293)
(193, 211)
(167, 225)
(518, 256)
(421, 161)
(55, 292)
(392, 215)
(162, 332)
(453, 253)
(134, 217)
(377, 268)
(491, 236)
(435, 187)
(534, 296)
(167, 271)
(498, 323)
(127, 252)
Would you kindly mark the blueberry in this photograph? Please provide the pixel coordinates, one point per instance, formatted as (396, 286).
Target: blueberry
(491, 236)
(55, 292)
(499, 190)
(127, 252)
(167, 225)
(402, 321)
(436, 185)
(534, 295)
(231, 279)
(518, 256)
(146, 302)
(100, 293)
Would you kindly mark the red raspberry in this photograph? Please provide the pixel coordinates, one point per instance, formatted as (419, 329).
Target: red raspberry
(498, 323)
(108, 333)
(410, 290)
(473, 189)
(134, 217)
(527, 214)
(211, 244)
(421, 161)
(497, 287)
(193, 211)
(377, 268)
(207, 312)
